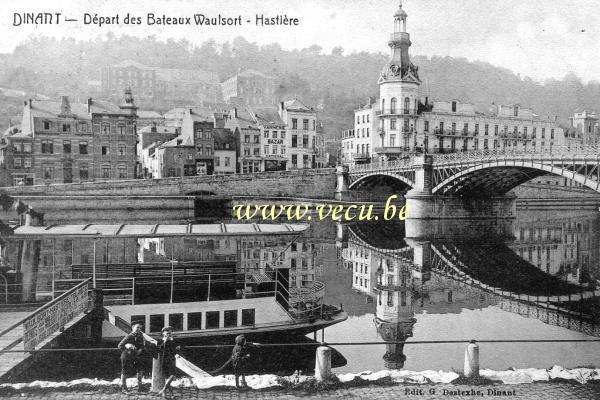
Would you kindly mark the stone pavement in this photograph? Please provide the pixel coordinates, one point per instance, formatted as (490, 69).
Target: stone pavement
(536, 391)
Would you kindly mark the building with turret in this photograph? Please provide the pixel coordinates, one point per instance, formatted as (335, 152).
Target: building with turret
(402, 122)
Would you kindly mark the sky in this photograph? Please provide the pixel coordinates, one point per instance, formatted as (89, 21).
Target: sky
(541, 39)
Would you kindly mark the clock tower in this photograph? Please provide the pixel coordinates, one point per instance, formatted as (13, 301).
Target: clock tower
(398, 94)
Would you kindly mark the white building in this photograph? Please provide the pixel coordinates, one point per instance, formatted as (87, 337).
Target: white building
(301, 127)
(401, 122)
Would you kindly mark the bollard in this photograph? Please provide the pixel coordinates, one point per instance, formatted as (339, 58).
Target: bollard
(158, 377)
(97, 315)
(472, 360)
(323, 364)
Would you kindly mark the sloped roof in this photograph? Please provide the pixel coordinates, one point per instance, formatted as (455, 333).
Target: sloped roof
(174, 74)
(148, 114)
(159, 129)
(131, 63)
(296, 105)
(252, 72)
(179, 141)
(268, 118)
(52, 108)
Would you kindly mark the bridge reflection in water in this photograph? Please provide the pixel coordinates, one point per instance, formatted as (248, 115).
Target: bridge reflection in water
(537, 271)
(541, 269)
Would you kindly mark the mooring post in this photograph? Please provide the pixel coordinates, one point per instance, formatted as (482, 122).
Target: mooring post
(472, 359)
(323, 363)
(158, 377)
(97, 315)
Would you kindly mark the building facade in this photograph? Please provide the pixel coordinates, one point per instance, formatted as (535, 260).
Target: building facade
(161, 85)
(274, 139)
(301, 133)
(249, 88)
(64, 142)
(401, 122)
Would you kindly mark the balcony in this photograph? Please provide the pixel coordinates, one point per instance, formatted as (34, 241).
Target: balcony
(396, 36)
(361, 156)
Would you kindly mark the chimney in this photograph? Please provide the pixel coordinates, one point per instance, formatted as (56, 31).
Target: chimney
(426, 100)
(89, 105)
(65, 106)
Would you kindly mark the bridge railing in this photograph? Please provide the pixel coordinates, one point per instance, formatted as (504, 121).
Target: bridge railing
(557, 151)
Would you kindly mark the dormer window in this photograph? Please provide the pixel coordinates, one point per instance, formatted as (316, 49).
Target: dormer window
(516, 111)
(453, 106)
(47, 125)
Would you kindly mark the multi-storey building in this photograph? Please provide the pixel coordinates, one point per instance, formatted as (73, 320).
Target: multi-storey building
(301, 126)
(225, 151)
(250, 88)
(400, 122)
(247, 135)
(273, 132)
(64, 142)
(584, 129)
(175, 158)
(162, 85)
(198, 129)
(147, 136)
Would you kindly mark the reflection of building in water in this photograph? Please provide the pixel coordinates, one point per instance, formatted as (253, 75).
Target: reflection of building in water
(564, 247)
(357, 259)
(186, 249)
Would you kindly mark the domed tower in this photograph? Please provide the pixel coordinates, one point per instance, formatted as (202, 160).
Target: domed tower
(127, 103)
(398, 93)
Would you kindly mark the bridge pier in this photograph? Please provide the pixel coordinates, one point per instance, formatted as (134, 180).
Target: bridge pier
(341, 189)
(421, 260)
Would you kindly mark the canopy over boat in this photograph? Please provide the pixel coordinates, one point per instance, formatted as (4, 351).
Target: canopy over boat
(158, 230)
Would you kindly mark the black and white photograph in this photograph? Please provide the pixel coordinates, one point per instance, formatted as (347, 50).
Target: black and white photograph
(261, 199)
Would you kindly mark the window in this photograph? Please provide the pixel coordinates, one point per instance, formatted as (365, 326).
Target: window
(543, 133)
(26, 147)
(426, 126)
(18, 162)
(282, 136)
(217, 161)
(176, 321)
(305, 141)
(208, 150)
(358, 119)
(486, 129)
(66, 127)
(257, 151)
(294, 140)
(47, 146)
(282, 150)
(157, 322)
(453, 106)
(256, 138)
(274, 134)
(525, 132)
(314, 123)
(227, 161)
(106, 171)
(230, 318)
(27, 163)
(367, 132)
(82, 127)
(83, 148)
(393, 124)
(83, 172)
(248, 317)
(453, 127)
(266, 134)
(212, 320)
(305, 124)
(534, 132)
(294, 123)
(465, 129)
(552, 133)
(47, 171)
(275, 149)
(294, 160)
(266, 149)
(67, 146)
(105, 129)
(122, 170)
(406, 105)
(121, 129)
(495, 130)
(406, 123)
(246, 138)
(476, 129)
(47, 125)
(105, 150)
(516, 111)
(194, 321)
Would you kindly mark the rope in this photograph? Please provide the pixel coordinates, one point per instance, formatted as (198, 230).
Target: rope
(218, 346)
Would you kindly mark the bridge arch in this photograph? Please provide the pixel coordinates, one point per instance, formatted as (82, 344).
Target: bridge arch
(500, 176)
(377, 178)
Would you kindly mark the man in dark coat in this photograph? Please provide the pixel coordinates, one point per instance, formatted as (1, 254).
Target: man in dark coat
(132, 347)
(239, 357)
(168, 348)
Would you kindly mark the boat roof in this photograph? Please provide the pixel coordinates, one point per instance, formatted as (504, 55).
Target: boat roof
(156, 230)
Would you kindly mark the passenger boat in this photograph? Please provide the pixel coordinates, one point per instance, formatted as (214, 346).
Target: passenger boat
(213, 298)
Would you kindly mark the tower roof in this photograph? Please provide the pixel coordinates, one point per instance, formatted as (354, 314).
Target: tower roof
(400, 13)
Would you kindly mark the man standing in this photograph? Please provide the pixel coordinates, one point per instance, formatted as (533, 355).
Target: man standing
(132, 347)
(168, 348)
(239, 357)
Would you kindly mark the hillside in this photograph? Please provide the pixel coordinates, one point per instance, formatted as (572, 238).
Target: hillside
(336, 81)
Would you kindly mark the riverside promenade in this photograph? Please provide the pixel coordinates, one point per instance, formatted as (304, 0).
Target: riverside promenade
(535, 391)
